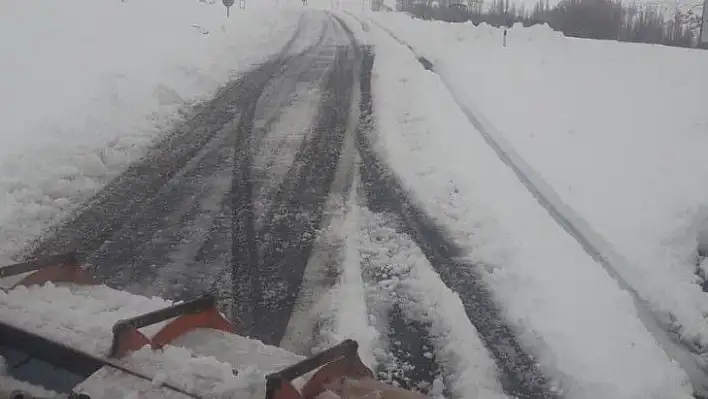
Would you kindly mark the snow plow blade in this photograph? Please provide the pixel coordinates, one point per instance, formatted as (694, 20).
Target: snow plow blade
(108, 343)
(334, 363)
(198, 313)
(56, 268)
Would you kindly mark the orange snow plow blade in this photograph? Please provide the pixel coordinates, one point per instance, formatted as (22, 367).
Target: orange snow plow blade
(190, 315)
(334, 364)
(56, 268)
(331, 371)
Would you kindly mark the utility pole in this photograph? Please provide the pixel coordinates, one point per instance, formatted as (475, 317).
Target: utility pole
(703, 33)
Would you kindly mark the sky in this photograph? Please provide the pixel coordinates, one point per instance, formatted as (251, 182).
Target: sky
(669, 4)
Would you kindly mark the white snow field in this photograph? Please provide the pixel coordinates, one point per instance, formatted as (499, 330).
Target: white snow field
(572, 315)
(86, 85)
(618, 131)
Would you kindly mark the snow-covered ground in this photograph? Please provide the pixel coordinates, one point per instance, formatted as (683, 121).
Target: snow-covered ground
(584, 329)
(618, 130)
(85, 87)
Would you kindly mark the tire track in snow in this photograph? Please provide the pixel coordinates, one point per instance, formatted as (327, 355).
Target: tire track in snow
(462, 366)
(304, 334)
(297, 212)
(411, 366)
(155, 197)
(520, 376)
(310, 319)
(279, 157)
(252, 303)
(409, 362)
(151, 252)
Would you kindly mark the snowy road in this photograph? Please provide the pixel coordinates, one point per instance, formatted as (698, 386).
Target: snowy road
(164, 227)
(272, 197)
(354, 178)
(322, 196)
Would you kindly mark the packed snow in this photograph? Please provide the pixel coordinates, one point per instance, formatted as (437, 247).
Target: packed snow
(583, 328)
(91, 84)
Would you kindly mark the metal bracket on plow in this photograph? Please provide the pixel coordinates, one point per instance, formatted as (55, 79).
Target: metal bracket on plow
(339, 361)
(56, 268)
(198, 313)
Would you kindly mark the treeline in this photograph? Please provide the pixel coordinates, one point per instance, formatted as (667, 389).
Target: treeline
(591, 19)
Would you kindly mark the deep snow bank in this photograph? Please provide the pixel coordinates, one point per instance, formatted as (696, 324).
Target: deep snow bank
(618, 130)
(85, 85)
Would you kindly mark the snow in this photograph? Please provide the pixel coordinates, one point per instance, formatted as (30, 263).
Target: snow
(583, 329)
(9, 384)
(238, 351)
(347, 313)
(363, 243)
(424, 297)
(313, 306)
(110, 383)
(627, 123)
(87, 313)
(91, 84)
(353, 316)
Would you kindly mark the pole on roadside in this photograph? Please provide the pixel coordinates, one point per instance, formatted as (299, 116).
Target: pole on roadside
(703, 35)
(228, 4)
